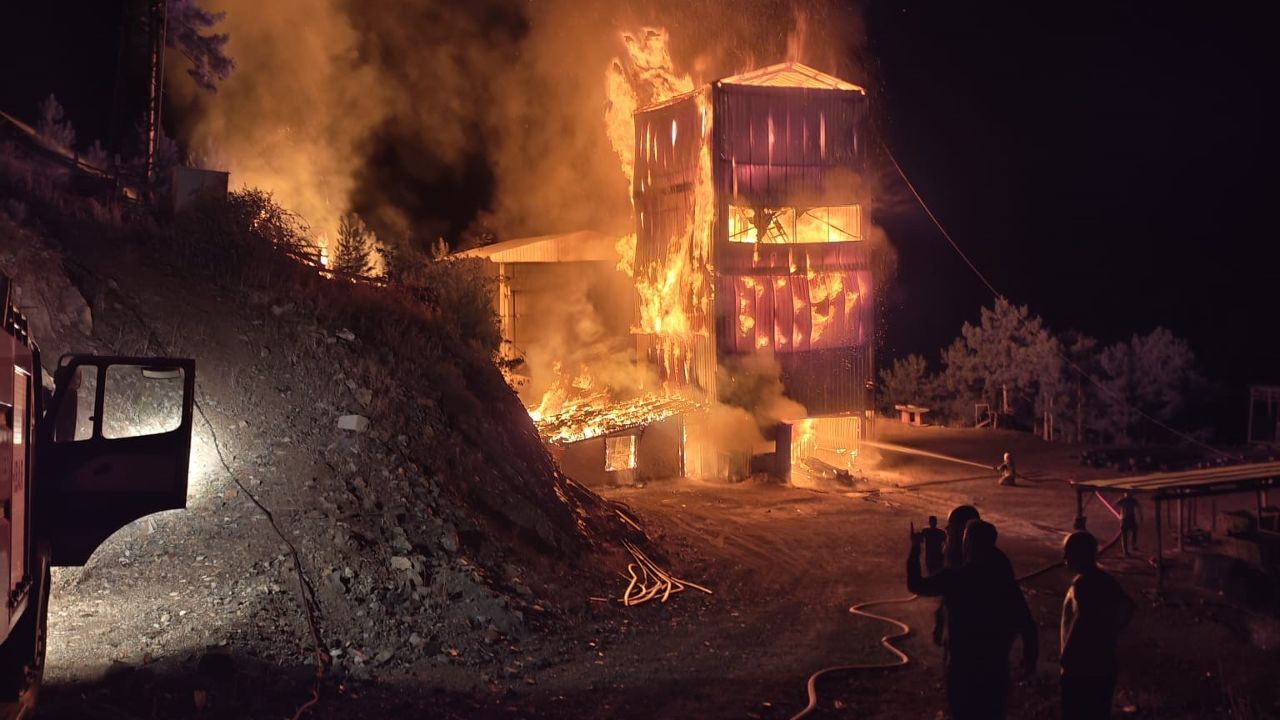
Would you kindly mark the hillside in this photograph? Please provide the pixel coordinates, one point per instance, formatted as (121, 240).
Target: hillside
(432, 541)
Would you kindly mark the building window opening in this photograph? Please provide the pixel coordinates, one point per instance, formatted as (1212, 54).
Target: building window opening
(790, 226)
(620, 453)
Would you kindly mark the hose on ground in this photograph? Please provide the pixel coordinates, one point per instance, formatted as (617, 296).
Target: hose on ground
(886, 641)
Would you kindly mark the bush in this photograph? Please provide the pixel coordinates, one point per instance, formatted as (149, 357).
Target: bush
(460, 288)
(243, 238)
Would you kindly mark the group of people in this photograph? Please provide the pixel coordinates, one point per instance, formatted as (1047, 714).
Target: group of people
(983, 611)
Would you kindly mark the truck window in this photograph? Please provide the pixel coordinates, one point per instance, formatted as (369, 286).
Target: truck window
(141, 401)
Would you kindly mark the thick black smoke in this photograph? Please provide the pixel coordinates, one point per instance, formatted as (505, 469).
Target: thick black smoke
(425, 115)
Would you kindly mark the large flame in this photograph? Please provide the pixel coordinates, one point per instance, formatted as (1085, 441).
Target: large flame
(674, 290)
(646, 76)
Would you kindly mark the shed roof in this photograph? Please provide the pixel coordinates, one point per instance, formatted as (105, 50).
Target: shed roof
(578, 246)
(1204, 481)
(791, 74)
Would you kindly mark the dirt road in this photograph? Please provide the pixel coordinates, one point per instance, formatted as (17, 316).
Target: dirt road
(784, 565)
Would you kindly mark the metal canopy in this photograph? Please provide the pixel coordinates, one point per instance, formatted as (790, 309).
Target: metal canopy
(580, 246)
(1185, 485)
(1193, 483)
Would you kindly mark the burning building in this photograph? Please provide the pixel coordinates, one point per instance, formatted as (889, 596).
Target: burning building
(750, 240)
(751, 285)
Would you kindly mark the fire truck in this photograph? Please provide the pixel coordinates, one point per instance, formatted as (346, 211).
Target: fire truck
(101, 443)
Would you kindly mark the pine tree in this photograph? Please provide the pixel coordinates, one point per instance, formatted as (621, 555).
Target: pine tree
(188, 26)
(353, 255)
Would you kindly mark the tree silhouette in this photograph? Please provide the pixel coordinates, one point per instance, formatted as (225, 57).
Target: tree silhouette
(354, 252)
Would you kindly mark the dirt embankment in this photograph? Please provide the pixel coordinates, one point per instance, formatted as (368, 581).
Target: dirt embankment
(434, 540)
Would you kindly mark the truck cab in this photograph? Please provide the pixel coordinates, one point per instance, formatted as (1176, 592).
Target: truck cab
(102, 443)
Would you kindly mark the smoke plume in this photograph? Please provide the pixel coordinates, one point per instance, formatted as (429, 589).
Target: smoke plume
(423, 114)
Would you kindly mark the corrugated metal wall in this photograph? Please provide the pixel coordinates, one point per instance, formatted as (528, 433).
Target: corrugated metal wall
(665, 171)
(778, 147)
(785, 146)
(771, 147)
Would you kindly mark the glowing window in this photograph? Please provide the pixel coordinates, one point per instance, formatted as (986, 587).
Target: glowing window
(620, 453)
(789, 225)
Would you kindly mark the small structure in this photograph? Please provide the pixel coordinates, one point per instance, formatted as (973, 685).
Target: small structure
(1183, 488)
(191, 184)
(537, 277)
(1264, 415)
(911, 414)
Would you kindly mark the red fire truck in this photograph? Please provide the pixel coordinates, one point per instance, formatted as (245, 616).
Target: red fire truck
(103, 442)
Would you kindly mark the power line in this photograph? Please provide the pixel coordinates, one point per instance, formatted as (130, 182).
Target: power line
(1074, 366)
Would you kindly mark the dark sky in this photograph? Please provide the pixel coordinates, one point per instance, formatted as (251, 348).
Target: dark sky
(1104, 162)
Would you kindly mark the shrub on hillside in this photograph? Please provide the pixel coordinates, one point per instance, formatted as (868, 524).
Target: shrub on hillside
(243, 238)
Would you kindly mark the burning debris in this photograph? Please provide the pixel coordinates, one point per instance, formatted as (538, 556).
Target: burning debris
(595, 415)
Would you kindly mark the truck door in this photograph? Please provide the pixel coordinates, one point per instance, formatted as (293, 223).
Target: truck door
(114, 446)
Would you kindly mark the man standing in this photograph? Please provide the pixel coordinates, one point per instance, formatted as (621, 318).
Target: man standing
(985, 610)
(1094, 612)
(1008, 473)
(934, 540)
(1130, 511)
(953, 557)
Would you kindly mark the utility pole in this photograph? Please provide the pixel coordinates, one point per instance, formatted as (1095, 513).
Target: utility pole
(1079, 412)
(157, 21)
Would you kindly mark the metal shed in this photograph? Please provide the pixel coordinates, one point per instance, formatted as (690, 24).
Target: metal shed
(1179, 487)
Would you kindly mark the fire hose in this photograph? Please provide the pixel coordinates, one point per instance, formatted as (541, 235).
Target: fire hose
(886, 641)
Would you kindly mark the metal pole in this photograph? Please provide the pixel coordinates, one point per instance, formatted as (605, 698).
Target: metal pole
(1249, 432)
(157, 20)
(1179, 524)
(1159, 548)
(1079, 509)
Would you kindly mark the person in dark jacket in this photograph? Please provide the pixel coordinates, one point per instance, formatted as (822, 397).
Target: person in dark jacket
(935, 540)
(985, 611)
(1094, 612)
(953, 556)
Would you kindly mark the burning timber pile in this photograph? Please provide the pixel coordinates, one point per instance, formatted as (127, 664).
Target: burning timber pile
(439, 534)
(594, 414)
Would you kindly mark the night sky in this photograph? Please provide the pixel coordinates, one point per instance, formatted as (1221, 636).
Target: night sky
(1103, 162)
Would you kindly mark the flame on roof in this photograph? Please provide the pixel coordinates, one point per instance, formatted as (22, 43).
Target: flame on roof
(792, 74)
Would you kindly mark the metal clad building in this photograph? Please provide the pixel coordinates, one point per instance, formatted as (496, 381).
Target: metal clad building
(785, 268)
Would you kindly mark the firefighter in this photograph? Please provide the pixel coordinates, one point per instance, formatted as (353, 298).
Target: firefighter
(1008, 473)
(985, 611)
(1094, 612)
